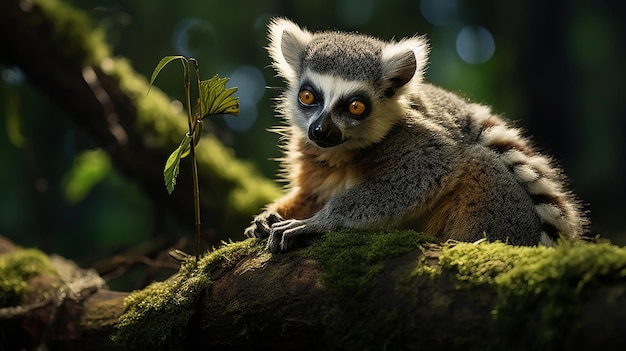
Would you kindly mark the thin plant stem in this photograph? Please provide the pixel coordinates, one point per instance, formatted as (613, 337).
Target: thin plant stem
(192, 152)
(215, 88)
(188, 95)
(196, 196)
(196, 183)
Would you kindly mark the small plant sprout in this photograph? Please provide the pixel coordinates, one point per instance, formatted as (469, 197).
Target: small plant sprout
(213, 99)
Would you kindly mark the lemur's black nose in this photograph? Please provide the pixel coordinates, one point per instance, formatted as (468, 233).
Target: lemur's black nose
(324, 132)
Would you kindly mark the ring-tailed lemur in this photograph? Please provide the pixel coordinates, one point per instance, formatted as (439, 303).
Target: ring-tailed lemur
(369, 144)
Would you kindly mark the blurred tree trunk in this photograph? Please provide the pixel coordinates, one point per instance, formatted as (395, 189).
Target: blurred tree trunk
(67, 60)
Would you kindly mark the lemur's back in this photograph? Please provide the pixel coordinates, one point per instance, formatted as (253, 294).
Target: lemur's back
(369, 144)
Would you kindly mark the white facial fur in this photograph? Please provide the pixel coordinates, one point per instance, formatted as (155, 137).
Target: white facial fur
(359, 133)
(285, 61)
(400, 65)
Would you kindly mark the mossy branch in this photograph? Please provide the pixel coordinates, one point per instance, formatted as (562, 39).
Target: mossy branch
(355, 290)
(63, 56)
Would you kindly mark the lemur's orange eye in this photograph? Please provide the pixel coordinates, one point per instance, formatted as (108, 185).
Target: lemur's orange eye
(306, 97)
(357, 107)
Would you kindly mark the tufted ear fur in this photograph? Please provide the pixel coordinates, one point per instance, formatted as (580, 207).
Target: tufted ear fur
(404, 62)
(287, 43)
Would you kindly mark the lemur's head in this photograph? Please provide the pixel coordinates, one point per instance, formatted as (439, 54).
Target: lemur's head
(344, 88)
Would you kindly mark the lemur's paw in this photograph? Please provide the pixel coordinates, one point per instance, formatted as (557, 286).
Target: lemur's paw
(261, 226)
(285, 234)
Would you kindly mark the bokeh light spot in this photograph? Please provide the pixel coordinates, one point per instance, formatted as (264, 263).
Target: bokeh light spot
(193, 37)
(13, 75)
(251, 87)
(440, 12)
(475, 45)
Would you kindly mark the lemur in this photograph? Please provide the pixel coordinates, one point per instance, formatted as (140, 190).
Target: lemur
(369, 144)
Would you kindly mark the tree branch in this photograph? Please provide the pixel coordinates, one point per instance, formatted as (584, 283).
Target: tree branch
(348, 290)
(55, 46)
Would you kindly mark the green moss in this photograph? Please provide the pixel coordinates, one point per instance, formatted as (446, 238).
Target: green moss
(548, 281)
(352, 259)
(71, 32)
(156, 119)
(156, 316)
(15, 270)
(352, 262)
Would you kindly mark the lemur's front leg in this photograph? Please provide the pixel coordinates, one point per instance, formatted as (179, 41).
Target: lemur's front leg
(383, 196)
(292, 207)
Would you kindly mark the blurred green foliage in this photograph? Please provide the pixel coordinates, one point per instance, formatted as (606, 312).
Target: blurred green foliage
(89, 169)
(557, 69)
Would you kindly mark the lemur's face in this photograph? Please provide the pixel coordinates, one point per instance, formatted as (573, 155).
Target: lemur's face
(344, 88)
(330, 109)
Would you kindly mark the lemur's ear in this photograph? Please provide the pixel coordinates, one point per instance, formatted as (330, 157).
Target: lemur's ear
(287, 43)
(404, 62)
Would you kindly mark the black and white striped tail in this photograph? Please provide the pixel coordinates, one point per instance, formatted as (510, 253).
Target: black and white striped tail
(558, 210)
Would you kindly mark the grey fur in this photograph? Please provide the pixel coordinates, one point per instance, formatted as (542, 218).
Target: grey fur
(351, 56)
(426, 158)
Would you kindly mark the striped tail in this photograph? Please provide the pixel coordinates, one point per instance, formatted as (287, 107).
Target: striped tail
(559, 211)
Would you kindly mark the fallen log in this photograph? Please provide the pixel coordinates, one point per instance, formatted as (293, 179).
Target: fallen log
(347, 290)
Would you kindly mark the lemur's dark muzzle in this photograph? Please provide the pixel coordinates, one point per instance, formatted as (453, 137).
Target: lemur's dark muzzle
(324, 132)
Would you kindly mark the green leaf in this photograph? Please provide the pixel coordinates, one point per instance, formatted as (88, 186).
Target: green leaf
(196, 138)
(173, 163)
(215, 99)
(164, 61)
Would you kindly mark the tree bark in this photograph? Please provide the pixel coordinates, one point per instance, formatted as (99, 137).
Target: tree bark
(68, 308)
(61, 55)
(298, 301)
